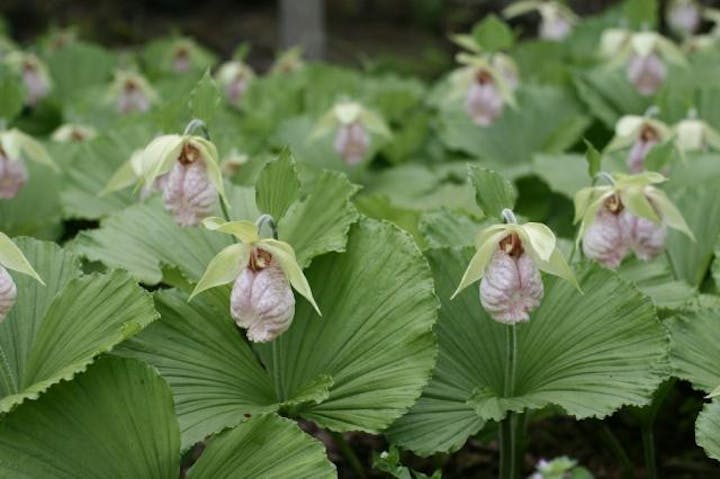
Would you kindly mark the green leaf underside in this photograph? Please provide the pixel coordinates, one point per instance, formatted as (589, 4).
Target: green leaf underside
(54, 332)
(215, 378)
(114, 420)
(589, 354)
(358, 367)
(264, 447)
(695, 347)
(707, 429)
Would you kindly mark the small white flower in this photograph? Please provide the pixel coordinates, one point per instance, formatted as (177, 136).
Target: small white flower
(34, 74)
(683, 16)
(71, 132)
(556, 20)
(8, 293)
(234, 78)
(15, 148)
(13, 175)
(645, 141)
(132, 93)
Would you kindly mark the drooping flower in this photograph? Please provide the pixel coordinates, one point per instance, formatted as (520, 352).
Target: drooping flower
(72, 132)
(15, 148)
(234, 78)
(34, 75)
(694, 134)
(11, 258)
(683, 16)
(353, 125)
(193, 178)
(500, 62)
(556, 20)
(645, 55)
(640, 134)
(630, 214)
(486, 91)
(129, 174)
(131, 93)
(508, 261)
(262, 271)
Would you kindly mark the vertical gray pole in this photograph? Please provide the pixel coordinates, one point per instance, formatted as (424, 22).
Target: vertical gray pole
(302, 22)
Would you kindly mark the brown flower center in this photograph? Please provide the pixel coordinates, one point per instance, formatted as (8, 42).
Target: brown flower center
(512, 245)
(188, 154)
(483, 77)
(259, 259)
(614, 204)
(648, 133)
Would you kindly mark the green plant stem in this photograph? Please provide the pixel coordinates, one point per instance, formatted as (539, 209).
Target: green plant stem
(349, 455)
(648, 439)
(224, 209)
(670, 263)
(508, 426)
(618, 450)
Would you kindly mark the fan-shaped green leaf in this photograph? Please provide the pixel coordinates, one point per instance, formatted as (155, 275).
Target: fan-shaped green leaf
(695, 341)
(587, 353)
(216, 380)
(493, 192)
(263, 447)
(707, 429)
(374, 339)
(78, 66)
(205, 98)
(55, 331)
(114, 420)
(358, 367)
(277, 186)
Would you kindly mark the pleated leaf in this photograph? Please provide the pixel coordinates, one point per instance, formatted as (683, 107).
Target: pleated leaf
(54, 332)
(263, 447)
(114, 420)
(695, 341)
(707, 429)
(358, 367)
(215, 377)
(589, 354)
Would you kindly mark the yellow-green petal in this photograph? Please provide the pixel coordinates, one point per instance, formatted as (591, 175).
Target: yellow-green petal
(245, 231)
(124, 177)
(159, 155)
(12, 258)
(637, 203)
(557, 266)
(223, 268)
(476, 267)
(20, 145)
(540, 238)
(669, 213)
(285, 255)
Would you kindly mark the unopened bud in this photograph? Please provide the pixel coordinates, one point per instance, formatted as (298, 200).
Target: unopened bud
(511, 287)
(484, 102)
(13, 176)
(8, 293)
(352, 142)
(646, 72)
(188, 193)
(261, 300)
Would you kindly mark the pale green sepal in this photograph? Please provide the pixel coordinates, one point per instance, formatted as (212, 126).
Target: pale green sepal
(671, 52)
(644, 43)
(12, 258)
(209, 153)
(540, 238)
(487, 245)
(347, 112)
(245, 231)
(712, 137)
(124, 177)
(637, 203)
(325, 125)
(159, 156)
(671, 216)
(285, 255)
(20, 145)
(466, 41)
(557, 266)
(224, 268)
(374, 123)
